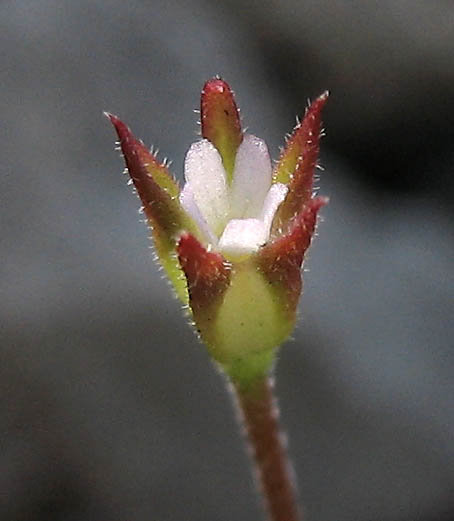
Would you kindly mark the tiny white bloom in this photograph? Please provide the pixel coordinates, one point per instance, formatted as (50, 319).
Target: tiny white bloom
(235, 219)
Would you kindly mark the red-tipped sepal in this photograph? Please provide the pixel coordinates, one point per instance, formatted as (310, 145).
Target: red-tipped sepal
(159, 195)
(297, 163)
(220, 121)
(144, 167)
(208, 277)
(281, 259)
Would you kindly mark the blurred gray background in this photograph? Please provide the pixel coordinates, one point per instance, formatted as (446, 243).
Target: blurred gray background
(110, 408)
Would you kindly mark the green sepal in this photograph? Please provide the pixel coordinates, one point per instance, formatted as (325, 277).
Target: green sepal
(301, 143)
(281, 259)
(159, 193)
(220, 121)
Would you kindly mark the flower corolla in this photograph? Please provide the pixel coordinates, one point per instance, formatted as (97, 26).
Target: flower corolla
(235, 217)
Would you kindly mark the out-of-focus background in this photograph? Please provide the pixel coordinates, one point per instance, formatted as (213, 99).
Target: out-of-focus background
(110, 408)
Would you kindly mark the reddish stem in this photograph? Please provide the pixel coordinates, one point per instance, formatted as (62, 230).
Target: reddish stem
(273, 471)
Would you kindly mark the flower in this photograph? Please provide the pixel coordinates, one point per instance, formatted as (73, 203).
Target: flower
(233, 240)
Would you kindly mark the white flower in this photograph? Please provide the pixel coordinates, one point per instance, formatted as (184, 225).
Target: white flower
(235, 217)
(234, 239)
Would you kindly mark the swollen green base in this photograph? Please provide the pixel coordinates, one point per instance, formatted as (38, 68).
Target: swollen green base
(248, 327)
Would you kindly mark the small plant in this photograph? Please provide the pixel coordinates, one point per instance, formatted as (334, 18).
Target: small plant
(232, 243)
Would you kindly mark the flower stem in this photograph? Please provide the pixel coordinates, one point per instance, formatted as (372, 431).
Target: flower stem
(274, 475)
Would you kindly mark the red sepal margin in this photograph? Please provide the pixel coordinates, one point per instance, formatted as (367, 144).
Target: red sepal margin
(280, 260)
(154, 184)
(208, 277)
(297, 163)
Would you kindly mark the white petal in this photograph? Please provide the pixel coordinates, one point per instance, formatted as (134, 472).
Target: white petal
(188, 203)
(243, 236)
(251, 178)
(273, 199)
(205, 174)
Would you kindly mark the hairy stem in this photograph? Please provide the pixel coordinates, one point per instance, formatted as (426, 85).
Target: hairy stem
(274, 474)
